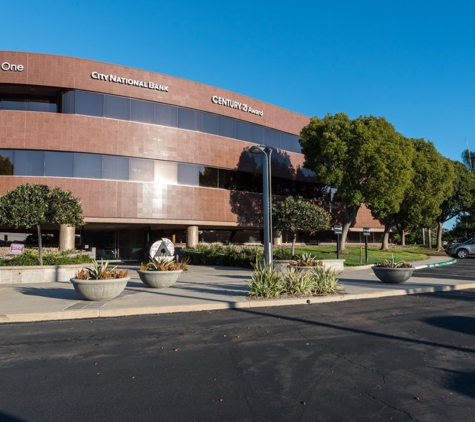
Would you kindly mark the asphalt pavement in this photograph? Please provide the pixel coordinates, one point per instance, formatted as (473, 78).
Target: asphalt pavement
(206, 288)
(404, 358)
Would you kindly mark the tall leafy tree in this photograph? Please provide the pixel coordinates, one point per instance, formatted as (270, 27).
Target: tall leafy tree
(468, 158)
(295, 215)
(389, 173)
(32, 205)
(461, 200)
(364, 160)
(431, 184)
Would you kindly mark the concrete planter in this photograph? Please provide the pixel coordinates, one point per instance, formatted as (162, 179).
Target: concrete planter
(100, 290)
(38, 274)
(393, 275)
(159, 279)
(334, 264)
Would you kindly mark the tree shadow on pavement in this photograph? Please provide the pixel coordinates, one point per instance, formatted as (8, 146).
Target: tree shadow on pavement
(460, 324)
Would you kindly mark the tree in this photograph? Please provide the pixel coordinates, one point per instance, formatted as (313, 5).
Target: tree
(460, 201)
(468, 158)
(30, 205)
(294, 215)
(432, 182)
(364, 160)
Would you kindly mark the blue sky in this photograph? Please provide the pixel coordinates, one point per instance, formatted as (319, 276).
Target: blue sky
(412, 62)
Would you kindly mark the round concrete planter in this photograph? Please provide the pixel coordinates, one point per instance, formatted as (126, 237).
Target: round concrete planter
(159, 279)
(100, 290)
(393, 275)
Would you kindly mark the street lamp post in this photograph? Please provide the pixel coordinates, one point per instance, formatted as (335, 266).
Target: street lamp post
(267, 198)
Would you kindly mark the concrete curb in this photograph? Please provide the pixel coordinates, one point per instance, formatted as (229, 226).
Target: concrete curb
(104, 310)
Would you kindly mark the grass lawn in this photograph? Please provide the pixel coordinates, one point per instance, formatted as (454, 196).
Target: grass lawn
(356, 255)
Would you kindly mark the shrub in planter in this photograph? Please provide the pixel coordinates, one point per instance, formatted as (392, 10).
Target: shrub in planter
(100, 282)
(161, 272)
(325, 281)
(296, 282)
(265, 281)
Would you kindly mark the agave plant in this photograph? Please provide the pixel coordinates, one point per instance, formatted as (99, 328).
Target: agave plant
(101, 271)
(306, 260)
(164, 263)
(392, 263)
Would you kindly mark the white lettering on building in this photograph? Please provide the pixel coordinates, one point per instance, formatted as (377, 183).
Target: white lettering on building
(225, 102)
(10, 67)
(127, 81)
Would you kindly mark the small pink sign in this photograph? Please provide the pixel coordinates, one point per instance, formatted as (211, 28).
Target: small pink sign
(16, 248)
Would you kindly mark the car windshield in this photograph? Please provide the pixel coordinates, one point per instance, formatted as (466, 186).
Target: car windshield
(469, 241)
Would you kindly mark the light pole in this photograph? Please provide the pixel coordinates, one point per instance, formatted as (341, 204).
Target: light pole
(266, 198)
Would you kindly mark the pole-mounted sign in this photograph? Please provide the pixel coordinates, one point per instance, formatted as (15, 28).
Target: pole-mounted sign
(338, 231)
(366, 231)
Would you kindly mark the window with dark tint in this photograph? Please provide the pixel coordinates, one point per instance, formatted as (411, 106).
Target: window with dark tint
(187, 119)
(116, 107)
(59, 164)
(89, 104)
(227, 127)
(142, 111)
(166, 115)
(29, 163)
(188, 174)
(227, 179)
(14, 104)
(43, 105)
(208, 177)
(115, 168)
(88, 166)
(243, 131)
(249, 182)
(6, 162)
(211, 123)
(68, 102)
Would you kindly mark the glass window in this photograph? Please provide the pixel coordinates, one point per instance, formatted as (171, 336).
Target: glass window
(166, 172)
(210, 123)
(116, 107)
(227, 127)
(187, 119)
(115, 168)
(42, 105)
(6, 162)
(89, 103)
(12, 104)
(67, 102)
(257, 133)
(227, 179)
(188, 174)
(208, 176)
(59, 164)
(166, 115)
(88, 166)
(141, 170)
(249, 182)
(29, 163)
(290, 142)
(243, 131)
(142, 111)
(272, 137)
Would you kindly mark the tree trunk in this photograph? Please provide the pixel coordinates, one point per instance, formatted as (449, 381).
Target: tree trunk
(440, 225)
(294, 238)
(349, 215)
(385, 243)
(40, 244)
(403, 237)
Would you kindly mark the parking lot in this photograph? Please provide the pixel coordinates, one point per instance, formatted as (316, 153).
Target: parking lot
(463, 269)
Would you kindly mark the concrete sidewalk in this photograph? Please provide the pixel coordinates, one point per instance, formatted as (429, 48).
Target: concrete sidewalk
(199, 289)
